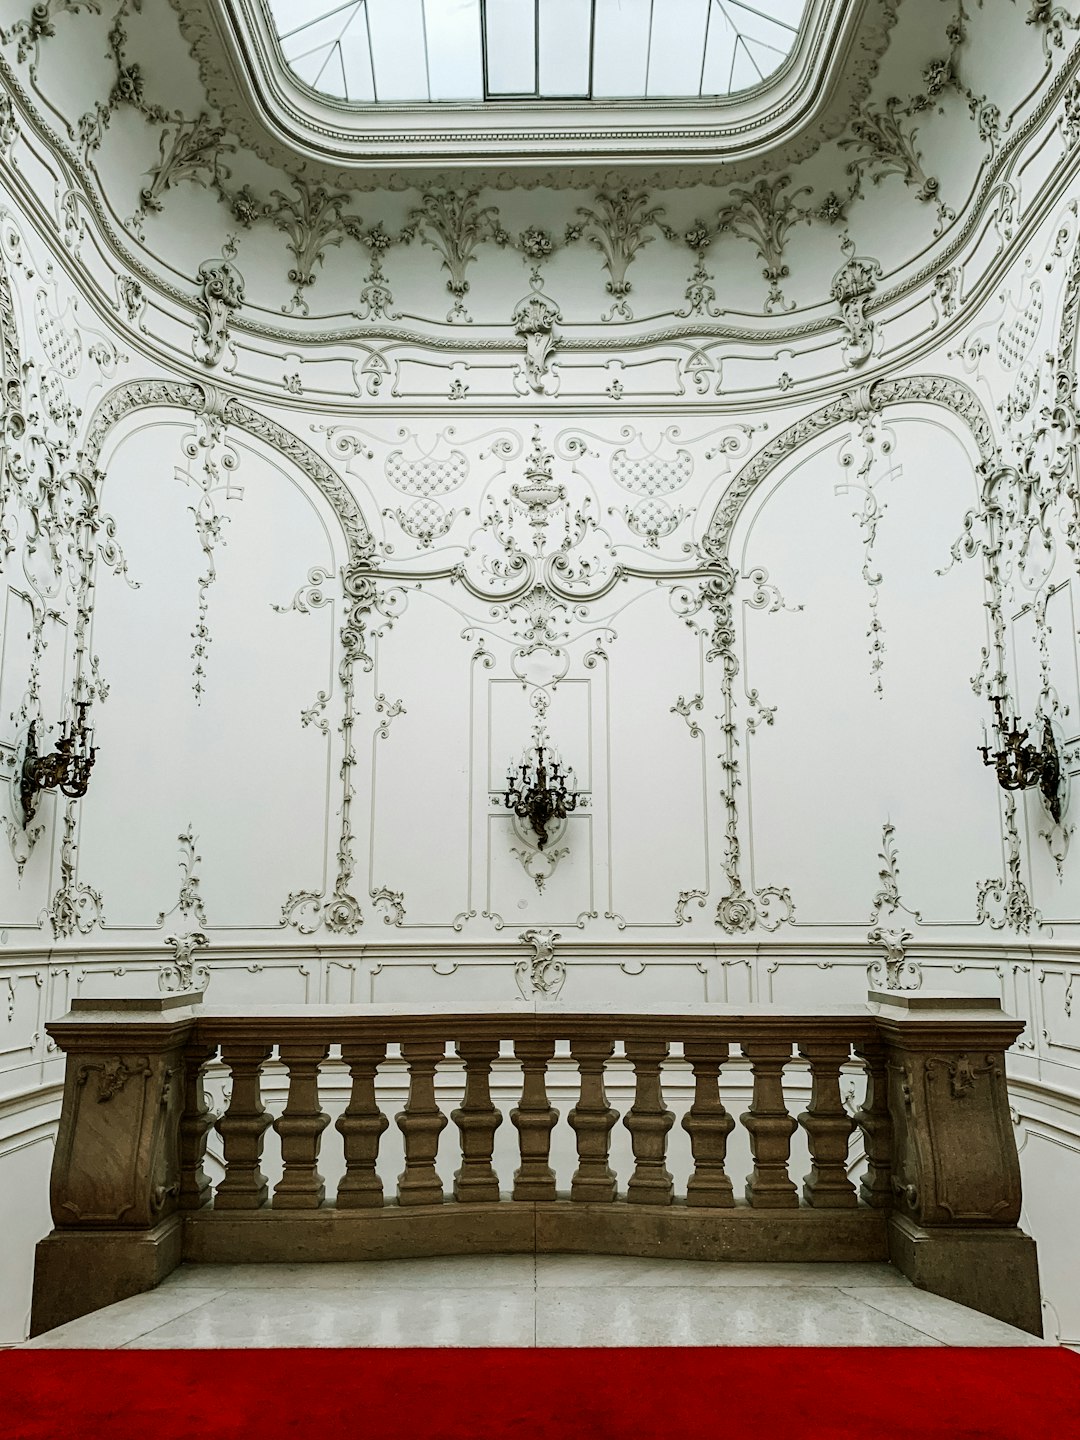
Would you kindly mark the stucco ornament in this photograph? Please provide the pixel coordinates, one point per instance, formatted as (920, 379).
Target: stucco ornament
(887, 928)
(534, 320)
(852, 288)
(221, 294)
(540, 974)
(182, 973)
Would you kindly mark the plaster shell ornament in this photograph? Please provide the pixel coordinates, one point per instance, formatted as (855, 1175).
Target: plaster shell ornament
(222, 293)
(852, 288)
(534, 320)
(540, 974)
(182, 973)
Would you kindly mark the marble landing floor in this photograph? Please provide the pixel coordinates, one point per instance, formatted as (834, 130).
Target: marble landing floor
(526, 1300)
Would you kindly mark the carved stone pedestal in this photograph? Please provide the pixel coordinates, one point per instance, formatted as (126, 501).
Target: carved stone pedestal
(77, 1271)
(995, 1271)
(955, 1170)
(116, 1172)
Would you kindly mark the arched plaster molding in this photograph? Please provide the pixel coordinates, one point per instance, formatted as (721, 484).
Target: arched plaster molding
(851, 405)
(10, 354)
(307, 910)
(208, 400)
(739, 911)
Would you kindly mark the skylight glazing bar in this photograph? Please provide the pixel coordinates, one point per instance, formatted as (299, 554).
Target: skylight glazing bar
(431, 51)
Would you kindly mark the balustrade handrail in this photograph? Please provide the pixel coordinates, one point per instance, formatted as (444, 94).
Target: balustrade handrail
(939, 1153)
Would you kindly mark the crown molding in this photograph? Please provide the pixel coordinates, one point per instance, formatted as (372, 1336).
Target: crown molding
(780, 122)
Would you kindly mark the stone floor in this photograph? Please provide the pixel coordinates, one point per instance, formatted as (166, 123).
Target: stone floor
(550, 1300)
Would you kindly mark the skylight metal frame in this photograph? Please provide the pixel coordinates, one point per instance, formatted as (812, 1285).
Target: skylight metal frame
(731, 13)
(689, 141)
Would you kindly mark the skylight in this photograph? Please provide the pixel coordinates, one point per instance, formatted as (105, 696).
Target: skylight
(407, 51)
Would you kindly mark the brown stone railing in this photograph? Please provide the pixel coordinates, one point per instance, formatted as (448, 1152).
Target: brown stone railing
(939, 1192)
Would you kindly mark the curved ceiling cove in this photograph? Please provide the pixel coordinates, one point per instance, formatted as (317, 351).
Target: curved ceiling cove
(518, 86)
(385, 51)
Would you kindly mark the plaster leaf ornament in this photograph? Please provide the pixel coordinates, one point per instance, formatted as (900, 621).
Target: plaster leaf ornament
(700, 291)
(189, 901)
(686, 897)
(540, 974)
(877, 441)
(221, 293)
(684, 708)
(769, 906)
(884, 147)
(314, 715)
(188, 150)
(313, 220)
(394, 901)
(1005, 902)
(764, 215)
(852, 288)
(76, 907)
(182, 973)
(617, 225)
(453, 223)
(534, 320)
(897, 972)
(376, 298)
(312, 595)
(217, 459)
(388, 709)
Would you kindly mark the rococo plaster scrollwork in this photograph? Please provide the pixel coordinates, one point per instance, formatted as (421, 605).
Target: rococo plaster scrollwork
(313, 207)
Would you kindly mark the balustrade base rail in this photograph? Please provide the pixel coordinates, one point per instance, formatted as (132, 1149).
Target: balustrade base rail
(400, 1232)
(938, 1193)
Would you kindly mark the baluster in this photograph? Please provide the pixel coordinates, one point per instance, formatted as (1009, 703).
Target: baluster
(648, 1122)
(196, 1121)
(873, 1117)
(533, 1119)
(361, 1127)
(421, 1123)
(242, 1128)
(477, 1120)
(591, 1120)
(828, 1128)
(708, 1124)
(300, 1125)
(770, 1127)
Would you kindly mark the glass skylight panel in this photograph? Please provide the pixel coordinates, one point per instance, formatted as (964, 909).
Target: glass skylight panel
(677, 47)
(510, 47)
(565, 48)
(409, 51)
(455, 54)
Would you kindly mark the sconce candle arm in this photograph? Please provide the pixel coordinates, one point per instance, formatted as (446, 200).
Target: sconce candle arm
(1020, 765)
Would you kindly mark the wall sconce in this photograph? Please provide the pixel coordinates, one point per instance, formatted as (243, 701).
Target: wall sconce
(1019, 766)
(68, 767)
(538, 789)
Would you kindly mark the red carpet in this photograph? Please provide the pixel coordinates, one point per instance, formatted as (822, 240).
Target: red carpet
(663, 1394)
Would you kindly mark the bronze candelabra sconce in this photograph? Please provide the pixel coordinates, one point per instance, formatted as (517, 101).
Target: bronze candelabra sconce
(1019, 765)
(538, 790)
(67, 768)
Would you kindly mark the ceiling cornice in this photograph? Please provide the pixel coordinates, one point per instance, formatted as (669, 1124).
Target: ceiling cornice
(686, 143)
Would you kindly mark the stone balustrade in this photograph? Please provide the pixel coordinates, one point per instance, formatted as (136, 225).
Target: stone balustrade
(931, 1142)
